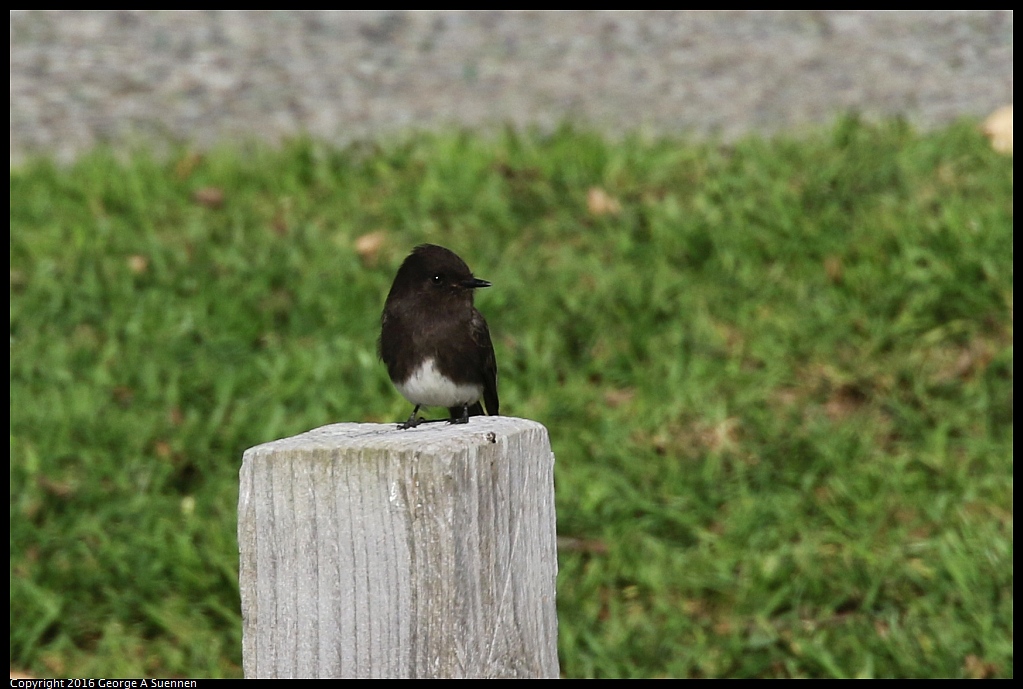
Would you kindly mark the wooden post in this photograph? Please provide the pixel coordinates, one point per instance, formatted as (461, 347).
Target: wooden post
(366, 551)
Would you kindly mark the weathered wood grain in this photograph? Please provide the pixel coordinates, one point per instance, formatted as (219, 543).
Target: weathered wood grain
(371, 552)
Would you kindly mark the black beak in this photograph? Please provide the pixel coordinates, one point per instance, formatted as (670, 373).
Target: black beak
(473, 283)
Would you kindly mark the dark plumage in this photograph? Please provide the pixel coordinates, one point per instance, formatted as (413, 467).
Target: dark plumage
(436, 345)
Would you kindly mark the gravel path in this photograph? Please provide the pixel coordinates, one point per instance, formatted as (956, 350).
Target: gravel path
(131, 77)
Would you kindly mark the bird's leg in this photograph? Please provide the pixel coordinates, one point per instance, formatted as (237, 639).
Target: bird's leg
(464, 418)
(412, 420)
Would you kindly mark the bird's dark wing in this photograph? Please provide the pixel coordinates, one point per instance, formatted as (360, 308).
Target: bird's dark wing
(488, 362)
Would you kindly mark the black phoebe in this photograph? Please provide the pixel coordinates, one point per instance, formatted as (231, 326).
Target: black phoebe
(435, 343)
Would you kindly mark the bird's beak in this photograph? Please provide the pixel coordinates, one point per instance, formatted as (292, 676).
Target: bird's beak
(473, 283)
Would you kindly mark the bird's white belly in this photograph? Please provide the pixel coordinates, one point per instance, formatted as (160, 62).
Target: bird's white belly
(426, 386)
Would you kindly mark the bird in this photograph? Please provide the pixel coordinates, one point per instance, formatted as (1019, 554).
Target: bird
(434, 342)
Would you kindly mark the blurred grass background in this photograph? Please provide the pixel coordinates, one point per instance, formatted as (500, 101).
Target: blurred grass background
(777, 376)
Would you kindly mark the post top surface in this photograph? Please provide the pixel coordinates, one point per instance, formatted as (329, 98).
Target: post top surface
(436, 435)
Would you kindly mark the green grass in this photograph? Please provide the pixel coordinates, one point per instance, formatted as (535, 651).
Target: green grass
(777, 377)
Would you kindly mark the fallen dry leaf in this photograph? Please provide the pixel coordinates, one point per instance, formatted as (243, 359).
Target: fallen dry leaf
(211, 197)
(599, 202)
(279, 225)
(58, 489)
(138, 264)
(978, 668)
(722, 436)
(833, 268)
(368, 246)
(616, 398)
(582, 545)
(998, 128)
(163, 449)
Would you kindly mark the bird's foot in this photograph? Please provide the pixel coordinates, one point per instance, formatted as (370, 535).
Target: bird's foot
(464, 418)
(412, 421)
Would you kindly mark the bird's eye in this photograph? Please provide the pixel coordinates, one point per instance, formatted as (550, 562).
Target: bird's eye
(438, 278)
